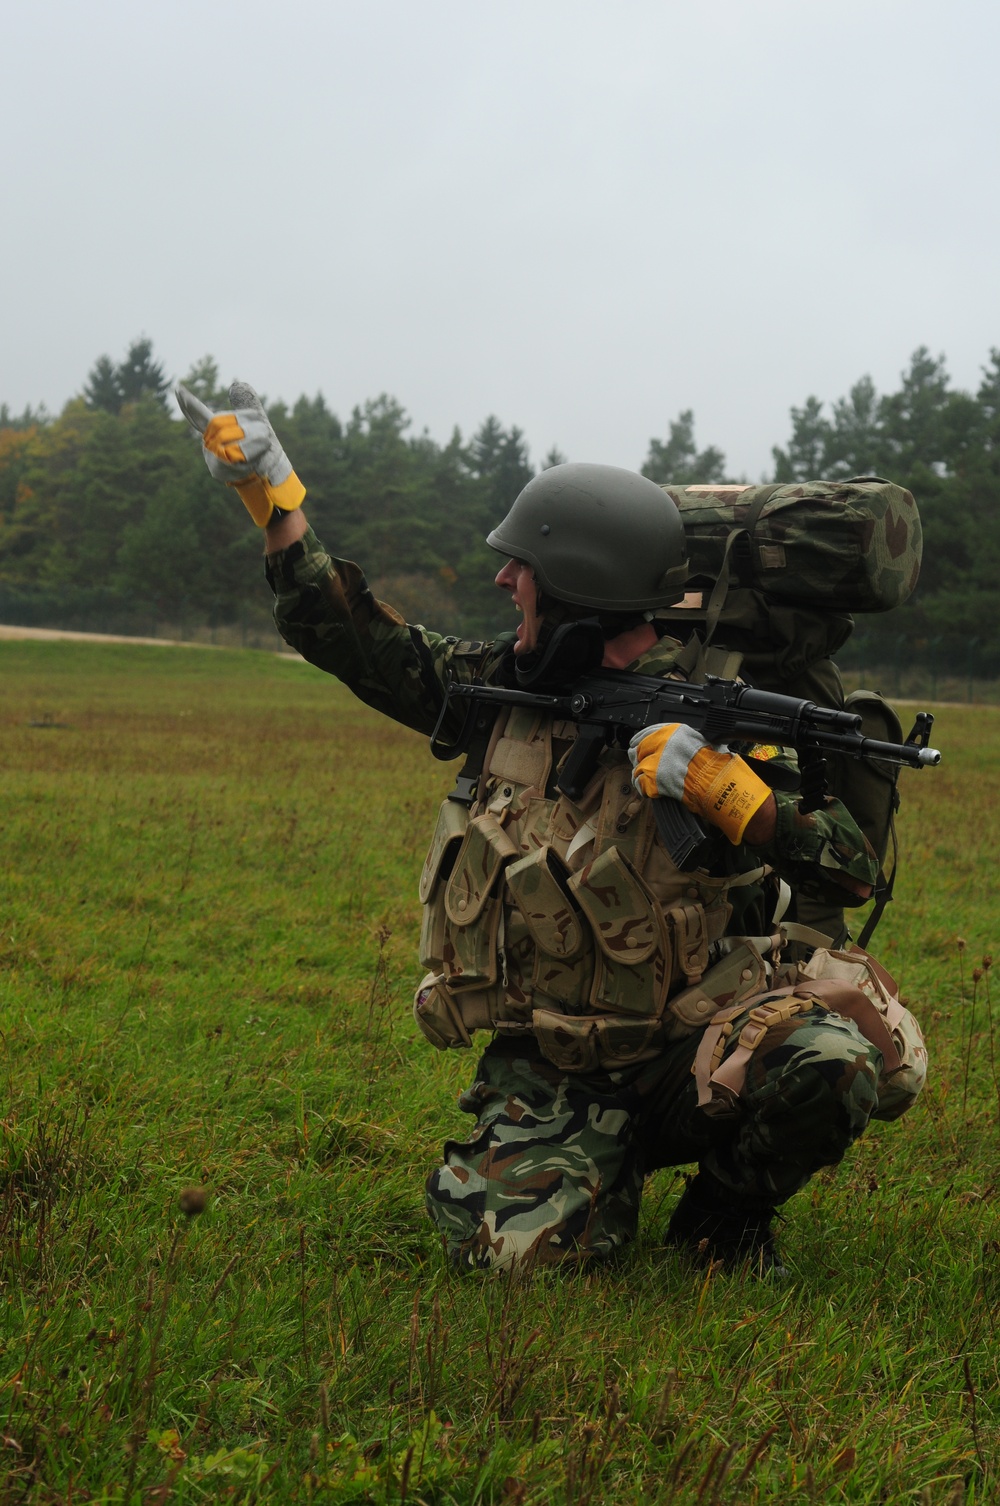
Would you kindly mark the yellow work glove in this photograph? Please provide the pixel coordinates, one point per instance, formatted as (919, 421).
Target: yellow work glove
(242, 449)
(674, 761)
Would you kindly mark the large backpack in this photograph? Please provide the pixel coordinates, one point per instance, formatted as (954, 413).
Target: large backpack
(781, 570)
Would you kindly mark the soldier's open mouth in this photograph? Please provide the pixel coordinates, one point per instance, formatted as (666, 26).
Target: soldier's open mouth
(526, 631)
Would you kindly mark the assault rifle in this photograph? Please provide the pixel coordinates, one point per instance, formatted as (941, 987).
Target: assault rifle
(609, 707)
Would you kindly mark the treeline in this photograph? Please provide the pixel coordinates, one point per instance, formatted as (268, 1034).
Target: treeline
(109, 520)
(944, 444)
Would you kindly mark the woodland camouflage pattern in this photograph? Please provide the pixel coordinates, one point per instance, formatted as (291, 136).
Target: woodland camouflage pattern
(325, 610)
(852, 546)
(553, 1170)
(555, 1165)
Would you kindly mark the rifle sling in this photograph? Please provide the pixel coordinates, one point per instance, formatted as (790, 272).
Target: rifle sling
(479, 747)
(883, 894)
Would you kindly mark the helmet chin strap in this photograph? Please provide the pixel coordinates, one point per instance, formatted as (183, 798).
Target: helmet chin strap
(570, 649)
(571, 641)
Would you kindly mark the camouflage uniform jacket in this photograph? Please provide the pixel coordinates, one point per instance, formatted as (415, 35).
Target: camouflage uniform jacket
(539, 910)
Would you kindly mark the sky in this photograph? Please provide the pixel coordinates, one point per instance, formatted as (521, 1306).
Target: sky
(581, 217)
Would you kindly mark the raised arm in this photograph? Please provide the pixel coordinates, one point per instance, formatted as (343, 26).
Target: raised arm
(324, 608)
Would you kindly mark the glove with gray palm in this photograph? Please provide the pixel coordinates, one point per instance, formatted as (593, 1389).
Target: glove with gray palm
(242, 449)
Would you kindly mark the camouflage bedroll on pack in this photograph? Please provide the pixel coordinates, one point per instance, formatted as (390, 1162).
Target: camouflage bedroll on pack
(850, 546)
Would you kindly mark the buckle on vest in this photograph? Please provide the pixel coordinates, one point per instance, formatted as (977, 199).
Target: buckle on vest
(464, 792)
(762, 1017)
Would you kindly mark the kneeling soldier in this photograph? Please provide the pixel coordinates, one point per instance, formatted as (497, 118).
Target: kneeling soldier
(636, 1017)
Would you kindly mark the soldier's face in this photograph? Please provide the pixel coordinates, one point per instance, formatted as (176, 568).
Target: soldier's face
(519, 579)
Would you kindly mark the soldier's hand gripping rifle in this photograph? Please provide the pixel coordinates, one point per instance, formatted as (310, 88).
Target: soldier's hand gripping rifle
(610, 707)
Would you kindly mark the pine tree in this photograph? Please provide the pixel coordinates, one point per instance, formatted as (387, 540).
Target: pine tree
(102, 388)
(140, 376)
(203, 381)
(804, 458)
(855, 442)
(677, 462)
(500, 458)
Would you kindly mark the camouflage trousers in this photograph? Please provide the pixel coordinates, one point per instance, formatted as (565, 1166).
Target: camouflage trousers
(554, 1168)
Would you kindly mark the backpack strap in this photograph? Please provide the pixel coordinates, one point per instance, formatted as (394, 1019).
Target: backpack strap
(883, 889)
(687, 660)
(871, 794)
(697, 659)
(738, 558)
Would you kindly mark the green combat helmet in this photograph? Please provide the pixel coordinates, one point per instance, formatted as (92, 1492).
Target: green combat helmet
(598, 537)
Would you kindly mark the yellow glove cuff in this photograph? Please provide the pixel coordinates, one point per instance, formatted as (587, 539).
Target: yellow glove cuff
(260, 498)
(720, 787)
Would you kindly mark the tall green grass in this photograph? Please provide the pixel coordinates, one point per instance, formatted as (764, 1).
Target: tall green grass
(207, 938)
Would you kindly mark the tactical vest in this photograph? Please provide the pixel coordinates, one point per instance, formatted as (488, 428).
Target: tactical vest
(569, 920)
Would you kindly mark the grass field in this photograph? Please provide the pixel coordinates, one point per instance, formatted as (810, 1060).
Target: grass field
(207, 938)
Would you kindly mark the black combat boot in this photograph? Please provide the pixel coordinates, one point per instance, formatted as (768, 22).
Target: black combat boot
(713, 1226)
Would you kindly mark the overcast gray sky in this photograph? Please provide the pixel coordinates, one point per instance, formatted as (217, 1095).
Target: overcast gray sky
(582, 217)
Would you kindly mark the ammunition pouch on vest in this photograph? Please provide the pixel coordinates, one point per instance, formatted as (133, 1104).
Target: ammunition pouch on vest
(569, 922)
(565, 920)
